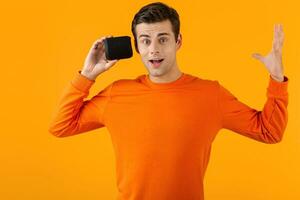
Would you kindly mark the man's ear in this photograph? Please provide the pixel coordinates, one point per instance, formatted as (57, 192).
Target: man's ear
(179, 41)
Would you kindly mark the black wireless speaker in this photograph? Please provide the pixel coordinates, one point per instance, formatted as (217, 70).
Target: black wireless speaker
(117, 48)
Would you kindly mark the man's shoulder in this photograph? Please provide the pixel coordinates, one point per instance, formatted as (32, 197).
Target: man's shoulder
(201, 81)
(127, 82)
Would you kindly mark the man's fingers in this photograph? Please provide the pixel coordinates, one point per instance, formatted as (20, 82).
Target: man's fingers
(258, 57)
(98, 46)
(99, 42)
(278, 38)
(281, 35)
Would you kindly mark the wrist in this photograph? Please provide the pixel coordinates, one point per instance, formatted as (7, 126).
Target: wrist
(278, 78)
(88, 76)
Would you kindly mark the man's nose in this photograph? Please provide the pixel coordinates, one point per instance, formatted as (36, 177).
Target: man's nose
(154, 48)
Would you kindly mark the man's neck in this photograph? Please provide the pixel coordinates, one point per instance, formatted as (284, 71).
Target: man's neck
(167, 78)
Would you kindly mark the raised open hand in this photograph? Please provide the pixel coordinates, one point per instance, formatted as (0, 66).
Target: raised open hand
(273, 61)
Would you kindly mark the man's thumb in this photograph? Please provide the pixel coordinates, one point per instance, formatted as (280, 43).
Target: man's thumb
(258, 57)
(110, 63)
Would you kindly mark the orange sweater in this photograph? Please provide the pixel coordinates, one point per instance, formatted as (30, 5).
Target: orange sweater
(162, 132)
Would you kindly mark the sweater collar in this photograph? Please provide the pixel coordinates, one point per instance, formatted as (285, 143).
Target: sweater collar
(147, 81)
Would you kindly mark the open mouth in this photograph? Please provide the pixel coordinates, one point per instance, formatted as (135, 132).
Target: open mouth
(156, 63)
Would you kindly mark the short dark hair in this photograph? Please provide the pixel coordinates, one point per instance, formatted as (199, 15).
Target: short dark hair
(155, 12)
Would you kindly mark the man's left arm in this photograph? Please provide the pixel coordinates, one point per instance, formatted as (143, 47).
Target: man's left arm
(269, 124)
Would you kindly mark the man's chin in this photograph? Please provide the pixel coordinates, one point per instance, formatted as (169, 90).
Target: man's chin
(157, 73)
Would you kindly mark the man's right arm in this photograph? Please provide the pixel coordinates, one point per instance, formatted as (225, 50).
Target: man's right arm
(73, 115)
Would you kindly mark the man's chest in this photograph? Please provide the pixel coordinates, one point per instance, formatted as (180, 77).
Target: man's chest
(167, 115)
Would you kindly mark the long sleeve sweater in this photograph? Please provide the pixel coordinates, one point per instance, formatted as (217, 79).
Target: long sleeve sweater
(162, 132)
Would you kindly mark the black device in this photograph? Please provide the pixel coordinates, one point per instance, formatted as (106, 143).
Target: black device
(117, 48)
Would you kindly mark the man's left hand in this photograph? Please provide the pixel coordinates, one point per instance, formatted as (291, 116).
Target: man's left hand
(273, 61)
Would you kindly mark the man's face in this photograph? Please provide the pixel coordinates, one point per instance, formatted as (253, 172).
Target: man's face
(157, 47)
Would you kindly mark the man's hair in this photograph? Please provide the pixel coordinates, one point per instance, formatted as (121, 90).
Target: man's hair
(155, 12)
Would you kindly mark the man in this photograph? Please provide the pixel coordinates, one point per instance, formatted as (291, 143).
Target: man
(162, 125)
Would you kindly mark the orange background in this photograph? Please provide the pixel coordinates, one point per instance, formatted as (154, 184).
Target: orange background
(44, 44)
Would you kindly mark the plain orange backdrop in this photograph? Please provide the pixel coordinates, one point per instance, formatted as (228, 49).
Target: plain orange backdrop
(44, 44)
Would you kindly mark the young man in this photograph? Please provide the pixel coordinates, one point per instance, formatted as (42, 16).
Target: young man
(163, 124)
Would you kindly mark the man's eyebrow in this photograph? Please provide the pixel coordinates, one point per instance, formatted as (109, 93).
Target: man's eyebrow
(160, 34)
(163, 34)
(143, 35)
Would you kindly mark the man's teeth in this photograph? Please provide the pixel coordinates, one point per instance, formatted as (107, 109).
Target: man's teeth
(156, 60)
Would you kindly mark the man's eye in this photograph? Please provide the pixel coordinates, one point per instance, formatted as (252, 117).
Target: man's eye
(163, 40)
(145, 41)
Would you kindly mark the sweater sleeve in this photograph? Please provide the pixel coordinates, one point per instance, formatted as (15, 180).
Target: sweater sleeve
(265, 126)
(73, 115)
